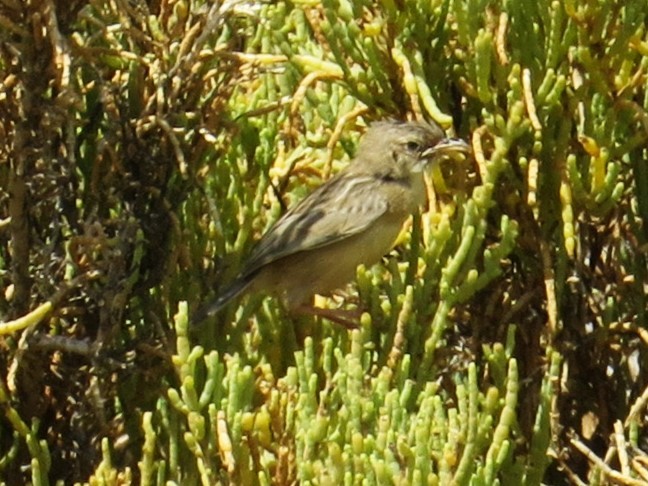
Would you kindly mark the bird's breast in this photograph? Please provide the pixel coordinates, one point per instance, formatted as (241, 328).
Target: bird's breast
(405, 196)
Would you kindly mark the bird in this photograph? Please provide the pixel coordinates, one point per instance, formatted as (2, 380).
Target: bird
(353, 218)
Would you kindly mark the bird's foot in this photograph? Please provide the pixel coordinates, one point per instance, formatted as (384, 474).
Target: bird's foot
(345, 317)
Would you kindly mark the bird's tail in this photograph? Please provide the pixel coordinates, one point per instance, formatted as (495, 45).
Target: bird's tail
(236, 288)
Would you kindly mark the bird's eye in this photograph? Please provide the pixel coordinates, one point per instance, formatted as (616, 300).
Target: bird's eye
(413, 146)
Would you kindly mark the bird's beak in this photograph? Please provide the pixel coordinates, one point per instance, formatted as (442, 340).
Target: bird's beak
(447, 146)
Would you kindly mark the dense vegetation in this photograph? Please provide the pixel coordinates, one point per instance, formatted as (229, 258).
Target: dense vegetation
(145, 146)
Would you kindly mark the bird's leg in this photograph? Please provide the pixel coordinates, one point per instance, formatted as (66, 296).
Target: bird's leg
(347, 318)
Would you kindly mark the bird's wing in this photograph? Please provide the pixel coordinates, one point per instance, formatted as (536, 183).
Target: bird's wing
(343, 207)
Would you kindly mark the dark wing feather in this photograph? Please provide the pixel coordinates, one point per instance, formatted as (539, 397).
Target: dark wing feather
(344, 206)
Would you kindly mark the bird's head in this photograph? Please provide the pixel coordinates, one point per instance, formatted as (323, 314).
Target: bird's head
(400, 149)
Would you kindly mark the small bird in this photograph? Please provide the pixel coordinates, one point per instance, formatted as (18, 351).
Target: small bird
(352, 219)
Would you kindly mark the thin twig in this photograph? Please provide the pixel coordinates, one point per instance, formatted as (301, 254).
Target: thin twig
(607, 470)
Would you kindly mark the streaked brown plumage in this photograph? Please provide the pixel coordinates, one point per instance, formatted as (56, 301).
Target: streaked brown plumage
(351, 219)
